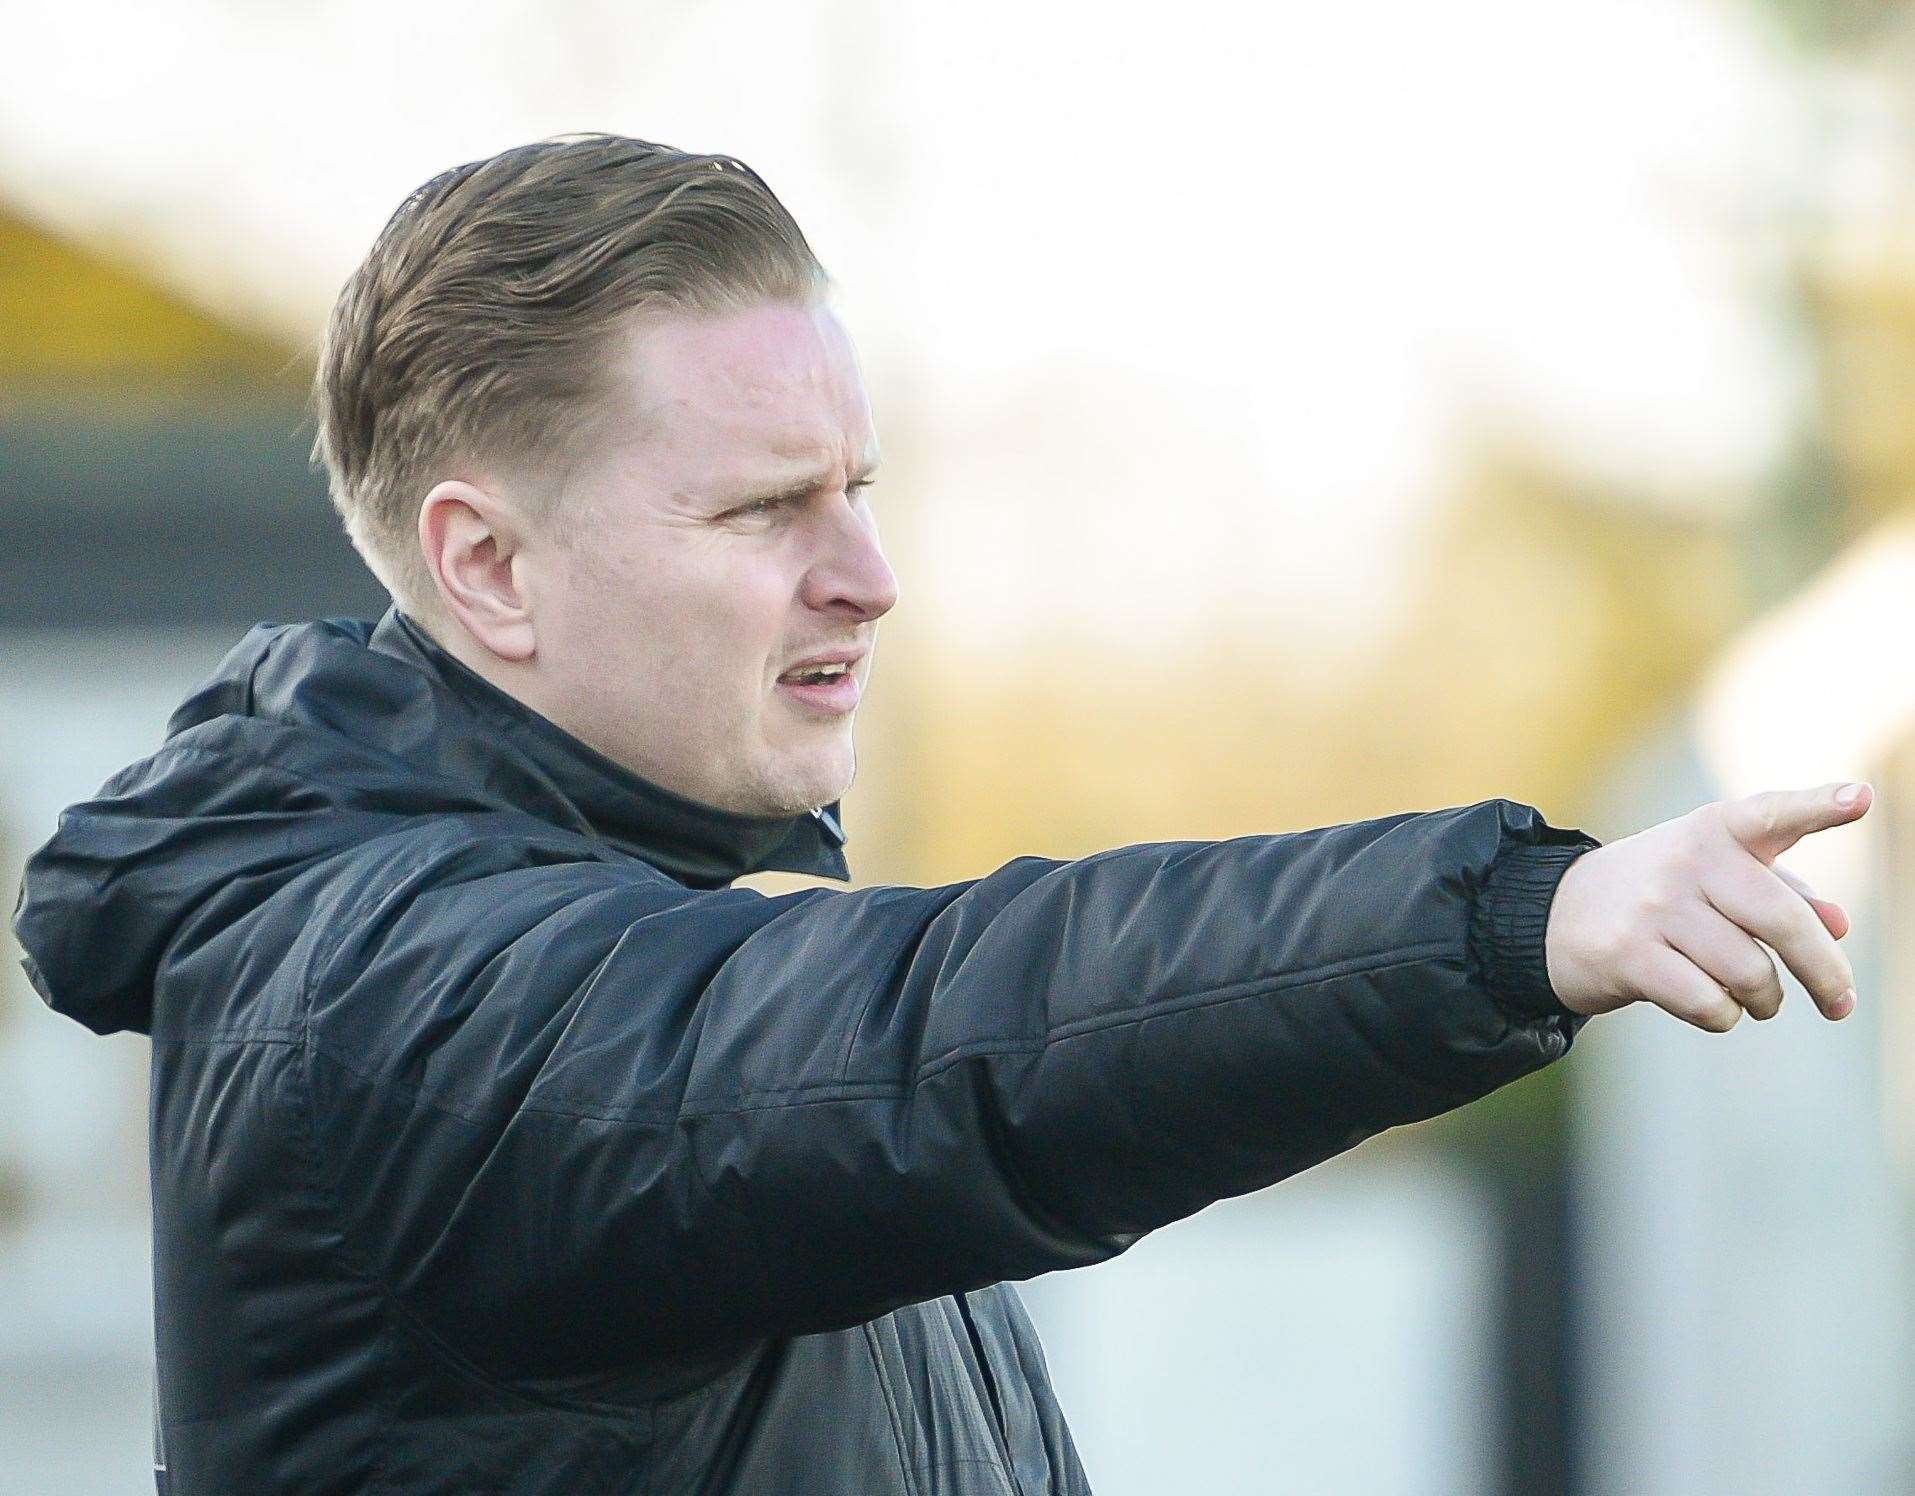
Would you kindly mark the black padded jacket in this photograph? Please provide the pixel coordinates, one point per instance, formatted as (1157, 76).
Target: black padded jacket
(499, 1146)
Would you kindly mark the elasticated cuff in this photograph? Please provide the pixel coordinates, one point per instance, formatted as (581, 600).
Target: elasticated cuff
(1510, 918)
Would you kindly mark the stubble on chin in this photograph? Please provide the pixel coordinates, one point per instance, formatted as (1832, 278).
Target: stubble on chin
(802, 788)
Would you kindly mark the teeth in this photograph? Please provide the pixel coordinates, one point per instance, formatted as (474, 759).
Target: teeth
(821, 672)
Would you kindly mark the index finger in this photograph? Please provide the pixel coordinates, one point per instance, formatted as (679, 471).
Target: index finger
(1771, 822)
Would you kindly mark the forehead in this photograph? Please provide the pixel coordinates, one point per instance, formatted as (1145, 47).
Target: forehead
(752, 391)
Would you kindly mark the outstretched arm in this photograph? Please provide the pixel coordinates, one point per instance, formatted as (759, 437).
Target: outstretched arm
(580, 1114)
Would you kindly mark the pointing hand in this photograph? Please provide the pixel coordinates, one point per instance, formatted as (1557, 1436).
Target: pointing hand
(1671, 915)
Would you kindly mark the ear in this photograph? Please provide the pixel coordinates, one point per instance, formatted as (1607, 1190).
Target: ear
(471, 540)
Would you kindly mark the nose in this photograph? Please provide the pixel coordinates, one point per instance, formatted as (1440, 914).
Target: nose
(848, 574)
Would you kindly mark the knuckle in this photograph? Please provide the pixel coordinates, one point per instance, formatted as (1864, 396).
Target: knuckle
(1754, 976)
(1663, 892)
(1708, 1006)
(1765, 1003)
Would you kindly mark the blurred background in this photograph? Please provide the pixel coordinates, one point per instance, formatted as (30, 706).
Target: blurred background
(1292, 414)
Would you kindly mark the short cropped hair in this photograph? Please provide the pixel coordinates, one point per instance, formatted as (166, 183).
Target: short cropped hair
(481, 324)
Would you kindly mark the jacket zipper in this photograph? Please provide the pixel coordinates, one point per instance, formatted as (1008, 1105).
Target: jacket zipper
(990, 1389)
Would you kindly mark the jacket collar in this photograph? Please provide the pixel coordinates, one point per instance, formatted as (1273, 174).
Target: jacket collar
(551, 770)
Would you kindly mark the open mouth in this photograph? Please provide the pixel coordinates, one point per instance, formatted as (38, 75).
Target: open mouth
(830, 689)
(822, 675)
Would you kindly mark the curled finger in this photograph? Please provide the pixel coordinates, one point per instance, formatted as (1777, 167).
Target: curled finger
(1754, 898)
(1729, 956)
(1674, 983)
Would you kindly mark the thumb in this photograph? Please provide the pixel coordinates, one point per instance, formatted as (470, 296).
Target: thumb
(1771, 822)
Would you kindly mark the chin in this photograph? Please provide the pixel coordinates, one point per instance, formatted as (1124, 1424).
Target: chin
(803, 786)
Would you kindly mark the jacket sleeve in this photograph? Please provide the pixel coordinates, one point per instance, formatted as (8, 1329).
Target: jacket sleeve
(573, 1112)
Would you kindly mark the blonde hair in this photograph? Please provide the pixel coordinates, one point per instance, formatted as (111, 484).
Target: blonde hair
(481, 323)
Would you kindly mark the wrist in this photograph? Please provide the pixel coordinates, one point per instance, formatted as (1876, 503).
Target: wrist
(1509, 925)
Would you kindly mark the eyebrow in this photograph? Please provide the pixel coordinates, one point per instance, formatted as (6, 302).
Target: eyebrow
(804, 486)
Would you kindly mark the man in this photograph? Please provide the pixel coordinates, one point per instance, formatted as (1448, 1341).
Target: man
(499, 1145)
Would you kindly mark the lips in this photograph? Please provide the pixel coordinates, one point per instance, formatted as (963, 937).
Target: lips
(847, 658)
(813, 675)
(832, 697)
(836, 694)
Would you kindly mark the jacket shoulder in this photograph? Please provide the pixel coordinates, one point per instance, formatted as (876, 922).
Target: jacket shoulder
(438, 935)
(482, 877)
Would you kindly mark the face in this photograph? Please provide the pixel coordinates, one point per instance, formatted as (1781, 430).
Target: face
(718, 540)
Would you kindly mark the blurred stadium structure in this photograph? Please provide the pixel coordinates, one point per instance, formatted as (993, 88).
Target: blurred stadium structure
(1288, 420)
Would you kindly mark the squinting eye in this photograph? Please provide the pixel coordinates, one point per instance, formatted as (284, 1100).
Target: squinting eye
(763, 506)
(766, 506)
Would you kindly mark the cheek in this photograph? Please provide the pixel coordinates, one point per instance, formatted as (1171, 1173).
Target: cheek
(718, 628)
(664, 610)
(742, 600)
